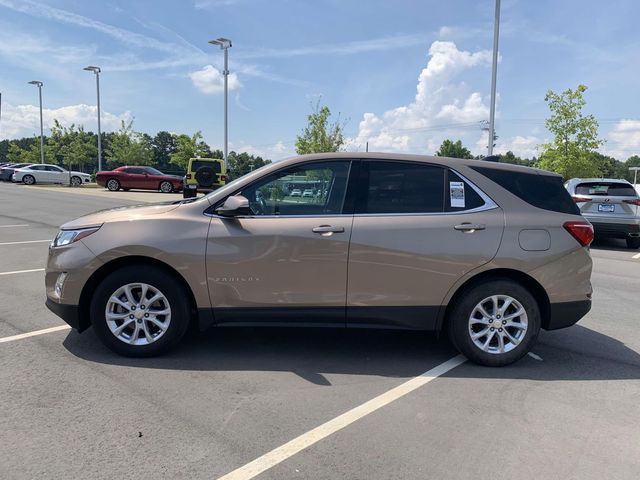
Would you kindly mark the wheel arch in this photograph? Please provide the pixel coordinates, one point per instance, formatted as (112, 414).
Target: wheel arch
(126, 261)
(519, 277)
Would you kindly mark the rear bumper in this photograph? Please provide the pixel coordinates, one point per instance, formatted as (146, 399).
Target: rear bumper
(565, 314)
(69, 313)
(616, 230)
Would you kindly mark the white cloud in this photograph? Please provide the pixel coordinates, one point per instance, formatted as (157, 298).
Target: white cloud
(273, 152)
(525, 147)
(623, 139)
(24, 120)
(441, 107)
(210, 81)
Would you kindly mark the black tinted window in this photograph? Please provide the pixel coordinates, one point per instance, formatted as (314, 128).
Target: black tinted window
(542, 191)
(196, 164)
(615, 189)
(399, 187)
(460, 195)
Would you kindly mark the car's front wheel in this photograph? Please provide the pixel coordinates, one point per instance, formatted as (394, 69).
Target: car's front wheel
(76, 181)
(140, 311)
(113, 185)
(495, 323)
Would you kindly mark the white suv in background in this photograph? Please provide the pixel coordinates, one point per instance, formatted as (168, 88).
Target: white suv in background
(611, 205)
(44, 173)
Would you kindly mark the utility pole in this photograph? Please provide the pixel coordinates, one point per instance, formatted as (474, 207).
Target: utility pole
(39, 84)
(494, 70)
(225, 44)
(97, 71)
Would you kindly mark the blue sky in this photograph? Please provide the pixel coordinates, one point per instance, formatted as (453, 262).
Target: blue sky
(402, 74)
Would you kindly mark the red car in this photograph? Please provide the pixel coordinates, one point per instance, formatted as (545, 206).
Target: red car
(144, 178)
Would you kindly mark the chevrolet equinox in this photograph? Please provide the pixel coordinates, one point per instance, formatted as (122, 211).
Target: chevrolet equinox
(488, 252)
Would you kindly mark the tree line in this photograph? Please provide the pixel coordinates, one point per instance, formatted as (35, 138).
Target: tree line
(73, 147)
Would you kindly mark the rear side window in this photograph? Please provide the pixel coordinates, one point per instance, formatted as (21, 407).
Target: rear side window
(401, 187)
(543, 191)
(460, 196)
(605, 189)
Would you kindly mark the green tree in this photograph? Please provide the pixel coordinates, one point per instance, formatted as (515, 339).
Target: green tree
(188, 147)
(71, 146)
(163, 145)
(575, 136)
(239, 164)
(453, 150)
(320, 136)
(128, 147)
(15, 153)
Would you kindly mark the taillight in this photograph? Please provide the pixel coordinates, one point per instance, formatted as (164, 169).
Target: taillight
(633, 202)
(581, 199)
(223, 178)
(582, 231)
(188, 176)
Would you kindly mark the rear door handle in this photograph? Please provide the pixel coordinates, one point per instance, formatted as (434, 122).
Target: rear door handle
(470, 227)
(327, 230)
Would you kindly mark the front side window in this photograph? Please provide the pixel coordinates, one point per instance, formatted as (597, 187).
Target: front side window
(137, 171)
(312, 189)
(401, 187)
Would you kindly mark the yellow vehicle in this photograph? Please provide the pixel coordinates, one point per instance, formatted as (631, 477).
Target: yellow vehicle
(204, 175)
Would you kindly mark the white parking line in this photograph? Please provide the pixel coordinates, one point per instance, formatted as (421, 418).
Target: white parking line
(13, 226)
(274, 457)
(22, 271)
(34, 333)
(637, 255)
(28, 241)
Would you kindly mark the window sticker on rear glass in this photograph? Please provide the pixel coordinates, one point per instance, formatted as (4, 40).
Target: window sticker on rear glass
(456, 194)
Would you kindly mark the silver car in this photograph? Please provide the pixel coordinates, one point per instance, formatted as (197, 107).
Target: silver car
(611, 205)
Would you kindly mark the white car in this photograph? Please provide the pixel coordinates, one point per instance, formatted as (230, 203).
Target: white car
(43, 173)
(296, 193)
(307, 193)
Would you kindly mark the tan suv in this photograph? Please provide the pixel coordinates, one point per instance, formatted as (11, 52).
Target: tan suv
(489, 252)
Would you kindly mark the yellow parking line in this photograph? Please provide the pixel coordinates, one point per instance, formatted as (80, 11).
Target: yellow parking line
(274, 457)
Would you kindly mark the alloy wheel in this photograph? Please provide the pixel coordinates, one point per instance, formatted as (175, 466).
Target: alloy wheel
(498, 324)
(138, 314)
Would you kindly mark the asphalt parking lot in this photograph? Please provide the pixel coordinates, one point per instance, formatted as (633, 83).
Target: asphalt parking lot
(72, 409)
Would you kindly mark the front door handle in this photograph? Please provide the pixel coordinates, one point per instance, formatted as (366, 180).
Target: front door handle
(327, 230)
(470, 227)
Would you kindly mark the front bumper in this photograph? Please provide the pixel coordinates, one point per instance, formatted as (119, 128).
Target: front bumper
(565, 314)
(69, 313)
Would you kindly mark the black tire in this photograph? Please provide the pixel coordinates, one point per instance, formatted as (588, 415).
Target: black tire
(459, 330)
(76, 181)
(166, 187)
(633, 243)
(205, 176)
(29, 180)
(159, 279)
(113, 185)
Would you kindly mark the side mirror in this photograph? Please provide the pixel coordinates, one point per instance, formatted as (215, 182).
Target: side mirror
(233, 206)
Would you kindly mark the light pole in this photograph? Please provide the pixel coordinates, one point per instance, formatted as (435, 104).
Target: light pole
(494, 70)
(224, 44)
(97, 70)
(39, 84)
(635, 175)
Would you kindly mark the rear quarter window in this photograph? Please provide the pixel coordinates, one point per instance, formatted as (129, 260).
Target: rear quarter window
(542, 191)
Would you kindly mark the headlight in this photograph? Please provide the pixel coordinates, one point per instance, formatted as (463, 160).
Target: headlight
(66, 237)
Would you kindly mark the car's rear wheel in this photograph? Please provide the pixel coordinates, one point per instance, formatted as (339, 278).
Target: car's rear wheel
(633, 243)
(76, 181)
(113, 185)
(166, 187)
(140, 311)
(28, 180)
(495, 323)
